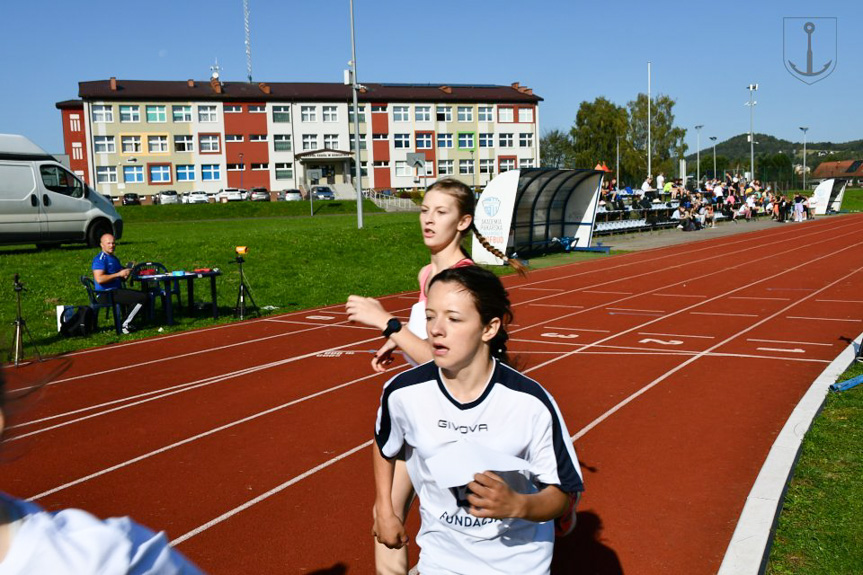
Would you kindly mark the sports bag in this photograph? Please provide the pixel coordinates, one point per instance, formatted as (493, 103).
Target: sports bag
(77, 321)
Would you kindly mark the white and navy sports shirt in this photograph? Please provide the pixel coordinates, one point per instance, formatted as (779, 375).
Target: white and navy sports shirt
(513, 415)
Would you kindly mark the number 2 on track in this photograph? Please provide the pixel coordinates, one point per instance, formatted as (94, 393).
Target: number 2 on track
(560, 335)
(661, 341)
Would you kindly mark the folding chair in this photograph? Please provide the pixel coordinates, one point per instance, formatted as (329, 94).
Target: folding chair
(103, 299)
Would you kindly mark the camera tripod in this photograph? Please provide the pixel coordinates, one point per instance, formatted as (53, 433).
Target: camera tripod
(243, 292)
(21, 326)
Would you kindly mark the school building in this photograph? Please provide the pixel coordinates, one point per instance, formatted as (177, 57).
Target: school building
(144, 136)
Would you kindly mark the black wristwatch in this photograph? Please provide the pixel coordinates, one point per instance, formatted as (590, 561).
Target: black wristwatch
(393, 325)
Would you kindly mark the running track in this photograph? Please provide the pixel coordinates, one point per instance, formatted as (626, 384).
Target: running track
(249, 443)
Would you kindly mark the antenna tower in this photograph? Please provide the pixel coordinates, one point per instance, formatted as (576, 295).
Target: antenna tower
(248, 41)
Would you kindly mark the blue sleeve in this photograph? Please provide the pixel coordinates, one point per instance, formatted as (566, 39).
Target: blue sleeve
(98, 263)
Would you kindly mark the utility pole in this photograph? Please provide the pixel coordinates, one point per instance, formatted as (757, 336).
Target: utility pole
(713, 139)
(698, 155)
(804, 129)
(752, 88)
(649, 172)
(358, 171)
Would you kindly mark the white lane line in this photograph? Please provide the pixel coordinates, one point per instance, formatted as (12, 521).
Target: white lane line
(558, 305)
(633, 309)
(840, 300)
(790, 289)
(578, 329)
(761, 298)
(677, 335)
(822, 318)
(791, 342)
(610, 292)
(539, 289)
(340, 324)
(212, 431)
(723, 314)
(678, 295)
(781, 350)
(228, 514)
(186, 387)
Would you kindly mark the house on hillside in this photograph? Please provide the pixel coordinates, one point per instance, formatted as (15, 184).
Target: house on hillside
(851, 170)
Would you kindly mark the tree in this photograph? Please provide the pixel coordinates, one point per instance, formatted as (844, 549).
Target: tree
(667, 145)
(555, 150)
(594, 135)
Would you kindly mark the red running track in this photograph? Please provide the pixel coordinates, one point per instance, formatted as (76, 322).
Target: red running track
(249, 443)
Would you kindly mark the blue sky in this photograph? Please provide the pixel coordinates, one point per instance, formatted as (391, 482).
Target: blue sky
(703, 54)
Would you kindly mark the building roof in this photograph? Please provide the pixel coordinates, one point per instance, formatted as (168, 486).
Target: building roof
(843, 169)
(69, 105)
(195, 90)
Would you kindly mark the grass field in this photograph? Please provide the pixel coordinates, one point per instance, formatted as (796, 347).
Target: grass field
(294, 262)
(821, 524)
(851, 202)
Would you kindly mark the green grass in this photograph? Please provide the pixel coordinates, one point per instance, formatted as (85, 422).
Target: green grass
(851, 202)
(232, 210)
(821, 525)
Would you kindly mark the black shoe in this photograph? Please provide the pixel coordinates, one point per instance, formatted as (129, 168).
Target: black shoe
(127, 329)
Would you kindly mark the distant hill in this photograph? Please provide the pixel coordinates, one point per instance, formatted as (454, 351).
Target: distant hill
(738, 147)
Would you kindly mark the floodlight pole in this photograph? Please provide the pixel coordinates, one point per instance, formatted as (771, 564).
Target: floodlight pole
(358, 173)
(804, 130)
(617, 165)
(698, 155)
(649, 171)
(752, 88)
(713, 139)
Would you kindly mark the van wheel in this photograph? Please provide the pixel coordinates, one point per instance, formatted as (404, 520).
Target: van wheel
(96, 231)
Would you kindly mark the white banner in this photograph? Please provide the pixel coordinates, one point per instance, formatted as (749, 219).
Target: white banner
(493, 217)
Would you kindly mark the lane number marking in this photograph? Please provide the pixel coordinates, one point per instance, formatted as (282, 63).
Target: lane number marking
(560, 335)
(661, 341)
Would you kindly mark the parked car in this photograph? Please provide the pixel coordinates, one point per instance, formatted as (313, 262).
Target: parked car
(167, 197)
(259, 195)
(131, 200)
(198, 197)
(323, 193)
(292, 195)
(231, 195)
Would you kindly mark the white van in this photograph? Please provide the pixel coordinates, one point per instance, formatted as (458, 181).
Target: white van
(42, 202)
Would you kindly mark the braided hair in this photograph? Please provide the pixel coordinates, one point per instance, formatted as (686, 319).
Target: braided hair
(466, 203)
(490, 299)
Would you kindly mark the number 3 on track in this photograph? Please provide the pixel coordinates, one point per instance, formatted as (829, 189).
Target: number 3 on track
(661, 341)
(560, 335)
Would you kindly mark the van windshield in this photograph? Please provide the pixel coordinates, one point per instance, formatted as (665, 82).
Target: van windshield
(60, 181)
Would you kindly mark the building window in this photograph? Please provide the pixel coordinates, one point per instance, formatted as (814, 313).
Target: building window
(160, 174)
(130, 144)
(380, 137)
(74, 122)
(380, 108)
(444, 167)
(130, 114)
(181, 113)
(233, 109)
(351, 114)
(157, 144)
(207, 114)
(429, 168)
(308, 114)
(507, 164)
(486, 140)
(102, 114)
(525, 140)
(310, 141)
(485, 114)
(184, 144)
(486, 166)
(211, 172)
(133, 174)
(260, 167)
(505, 141)
(233, 138)
(331, 114)
(402, 168)
(465, 140)
(156, 115)
(106, 175)
(525, 163)
(402, 141)
(208, 143)
(257, 109)
(257, 137)
(104, 145)
(443, 113)
(505, 114)
(331, 141)
(424, 141)
(444, 141)
(281, 114)
(236, 167)
(465, 114)
(362, 141)
(525, 115)
(285, 171)
(401, 113)
(465, 167)
(381, 164)
(186, 173)
(422, 113)
(77, 151)
(282, 142)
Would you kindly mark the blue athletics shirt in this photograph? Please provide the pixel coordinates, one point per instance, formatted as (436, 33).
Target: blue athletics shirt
(110, 265)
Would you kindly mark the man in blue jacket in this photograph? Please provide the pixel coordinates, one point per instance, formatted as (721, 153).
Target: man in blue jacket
(109, 275)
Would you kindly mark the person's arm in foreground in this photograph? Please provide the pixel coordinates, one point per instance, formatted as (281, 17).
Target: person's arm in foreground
(369, 311)
(388, 528)
(491, 497)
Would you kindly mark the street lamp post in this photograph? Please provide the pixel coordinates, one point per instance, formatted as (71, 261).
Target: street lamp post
(617, 164)
(698, 155)
(752, 88)
(804, 130)
(242, 169)
(713, 139)
(355, 86)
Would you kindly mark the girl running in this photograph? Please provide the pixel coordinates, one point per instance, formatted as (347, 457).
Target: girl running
(445, 218)
(498, 522)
